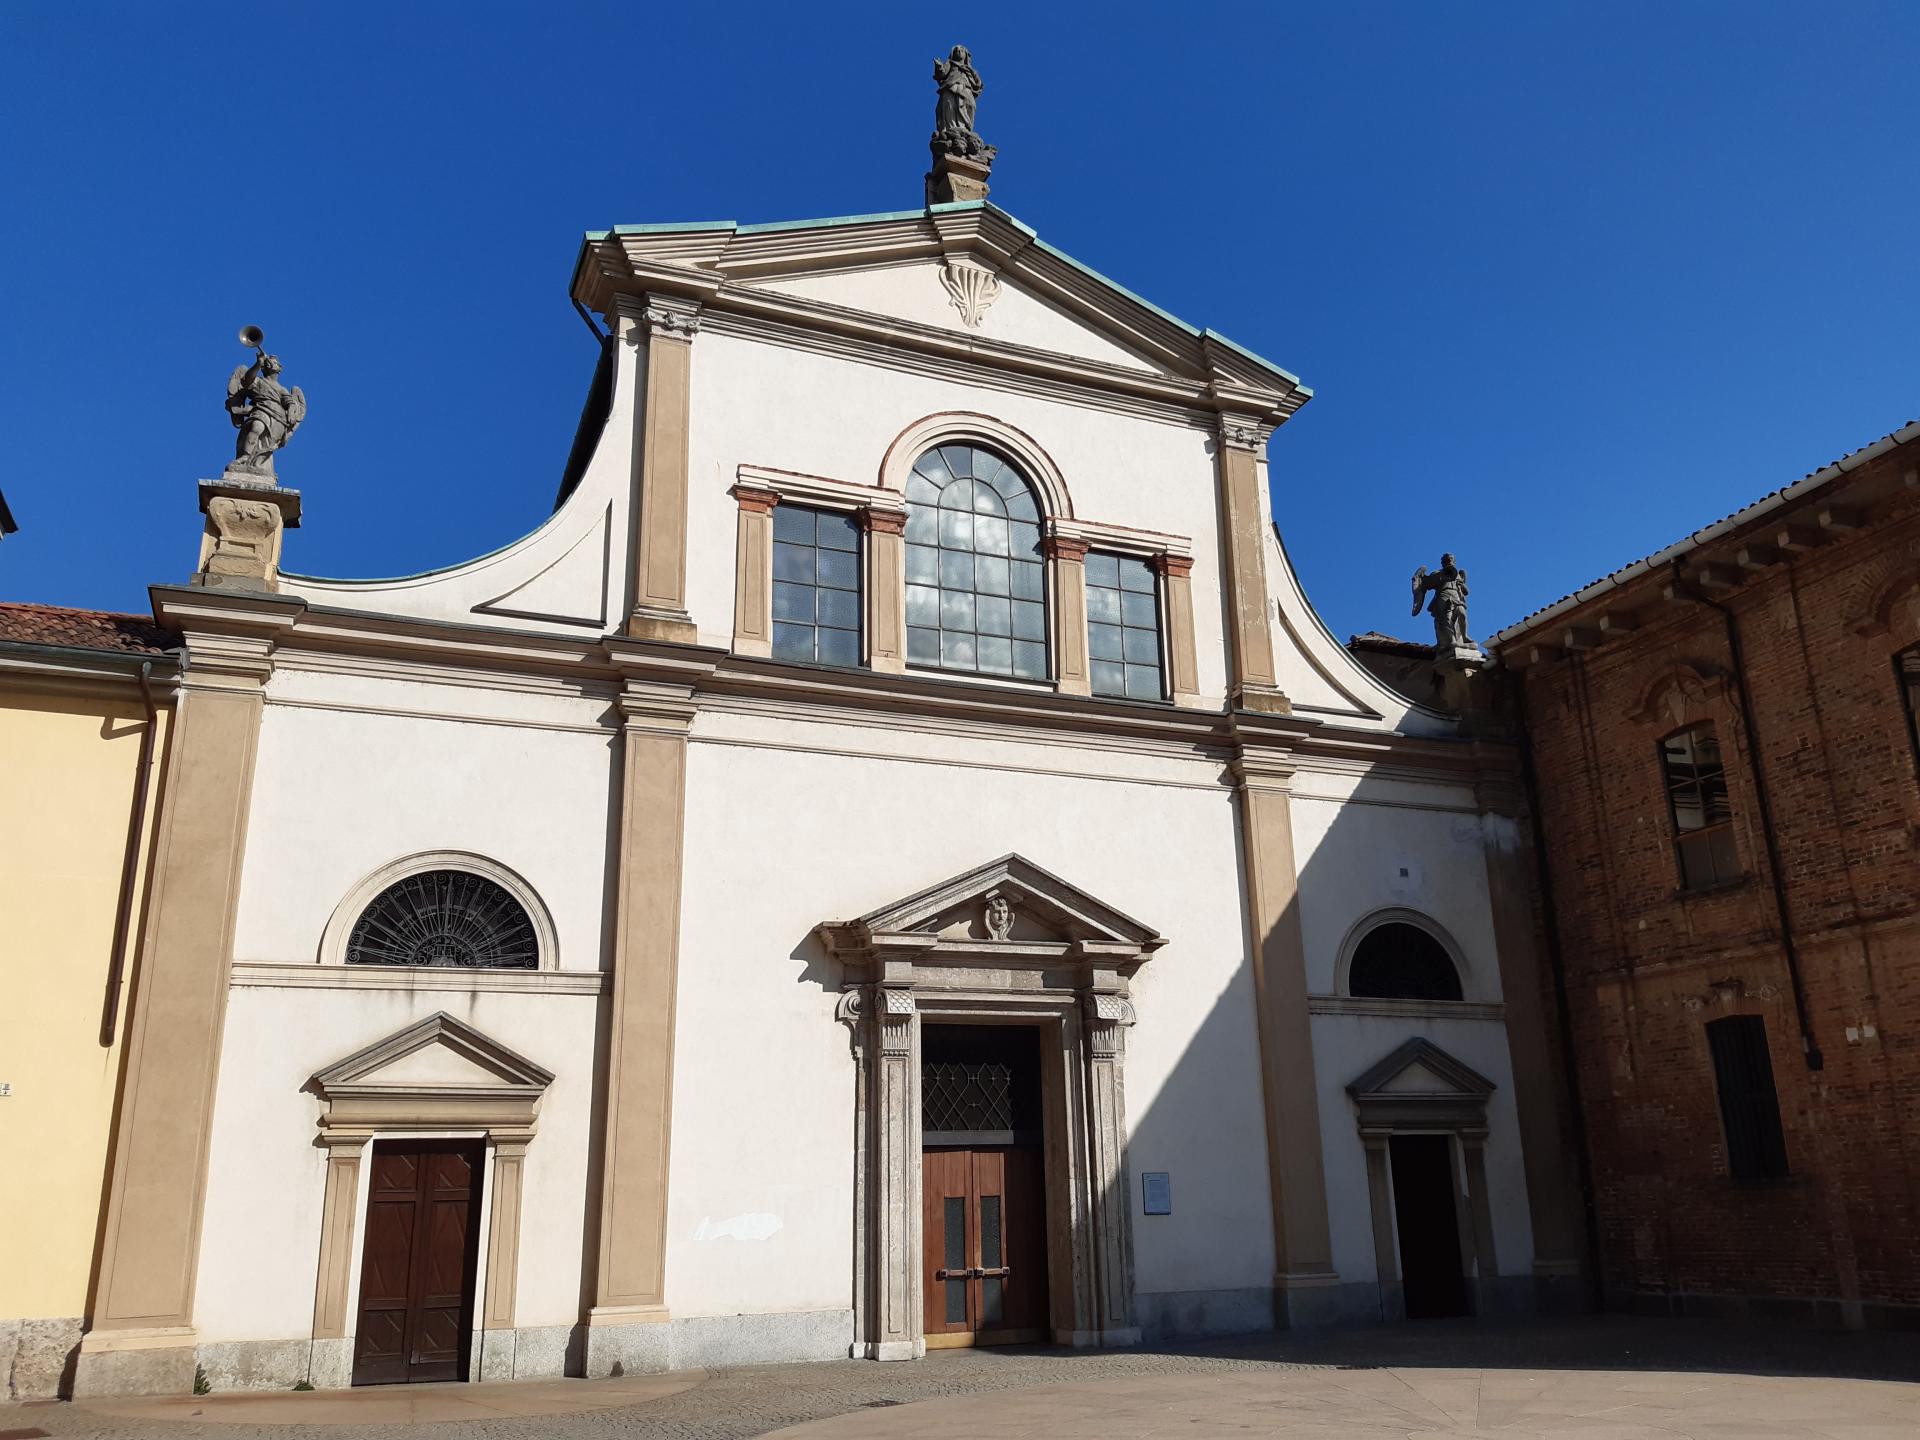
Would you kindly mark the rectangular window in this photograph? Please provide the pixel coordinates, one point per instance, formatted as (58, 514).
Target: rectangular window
(1696, 783)
(1907, 667)
(1749, 1108)
(816, 586)
(1123, 627)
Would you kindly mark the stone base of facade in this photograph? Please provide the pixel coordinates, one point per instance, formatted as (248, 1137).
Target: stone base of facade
(1811, 1312)
(698, 1342)
(37, 1357)
(134, 1370)
(1168, 1315)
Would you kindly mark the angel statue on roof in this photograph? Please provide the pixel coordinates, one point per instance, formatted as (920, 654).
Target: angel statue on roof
(265, 412)
(1448, 587)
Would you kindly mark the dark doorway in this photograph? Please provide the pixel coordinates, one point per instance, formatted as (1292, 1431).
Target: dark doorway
(417, 1270)
(983, 1189)
(1429, 1225)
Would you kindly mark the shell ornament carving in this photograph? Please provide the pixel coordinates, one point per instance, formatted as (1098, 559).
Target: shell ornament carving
(972, 291)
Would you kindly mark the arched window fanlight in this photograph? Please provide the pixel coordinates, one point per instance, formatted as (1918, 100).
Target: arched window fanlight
(1398, 961)
(445, 918)
(976, 582)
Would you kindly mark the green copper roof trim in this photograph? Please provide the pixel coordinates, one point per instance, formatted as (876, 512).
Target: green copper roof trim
(1260, 360)
(1111, 284)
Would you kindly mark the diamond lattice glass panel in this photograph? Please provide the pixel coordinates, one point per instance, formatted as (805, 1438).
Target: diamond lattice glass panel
(445, 918)
(958, 1096)
(974, 536)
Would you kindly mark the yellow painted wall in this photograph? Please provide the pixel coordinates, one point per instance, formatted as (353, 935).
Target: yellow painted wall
(67, 768)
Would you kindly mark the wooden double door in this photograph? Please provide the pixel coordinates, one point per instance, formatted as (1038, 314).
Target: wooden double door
(984, 1222)
(418, 1268)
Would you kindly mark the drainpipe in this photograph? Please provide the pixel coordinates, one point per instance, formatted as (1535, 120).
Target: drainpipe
(1556, 966)
(130, 863)
(1683, 586)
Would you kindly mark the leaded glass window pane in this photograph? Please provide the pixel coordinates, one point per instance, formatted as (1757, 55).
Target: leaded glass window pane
(1123, 627)
(976, 589)
(816, 586)
(445, 918)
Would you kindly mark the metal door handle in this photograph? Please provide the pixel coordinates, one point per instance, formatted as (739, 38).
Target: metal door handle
(1002, 1270)
(961, 1274)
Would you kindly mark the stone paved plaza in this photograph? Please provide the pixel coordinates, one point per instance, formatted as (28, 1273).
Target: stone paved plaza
(1601, 1378)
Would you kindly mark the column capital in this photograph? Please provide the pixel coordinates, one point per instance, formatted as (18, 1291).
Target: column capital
(1065, 547)
(756, 498)
(1242, 432)
(1171, 565)
(670, 317)
(876, 521)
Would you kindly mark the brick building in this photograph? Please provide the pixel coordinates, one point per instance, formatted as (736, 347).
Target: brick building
(1724, 753)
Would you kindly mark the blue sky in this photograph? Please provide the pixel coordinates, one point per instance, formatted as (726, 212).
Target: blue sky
(1568, 280)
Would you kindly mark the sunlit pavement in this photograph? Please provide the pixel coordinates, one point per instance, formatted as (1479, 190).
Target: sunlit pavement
(1598, 1378)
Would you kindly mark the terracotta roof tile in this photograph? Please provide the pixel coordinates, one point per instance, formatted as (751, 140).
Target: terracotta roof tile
(82, 629)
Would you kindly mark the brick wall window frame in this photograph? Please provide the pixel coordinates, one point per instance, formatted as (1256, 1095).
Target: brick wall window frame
(1693, 773)
(1749, 1104)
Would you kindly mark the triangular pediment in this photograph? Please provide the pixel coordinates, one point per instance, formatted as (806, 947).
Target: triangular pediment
(926, 277)
(439, 1056)
(1420, 1069)
(1040, 908)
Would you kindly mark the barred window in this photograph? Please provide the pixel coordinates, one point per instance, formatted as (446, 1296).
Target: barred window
(976, 584)
(445, 918)
(1749, 1106)
(1696, 782)
(816, 586)
(1123, 627)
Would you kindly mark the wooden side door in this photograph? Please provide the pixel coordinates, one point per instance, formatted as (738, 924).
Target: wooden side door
(419, 1263)
(985, 1262)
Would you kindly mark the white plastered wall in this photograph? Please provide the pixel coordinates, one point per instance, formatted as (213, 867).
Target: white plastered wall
(1364, 847)
(762, 1198)
(344, 785)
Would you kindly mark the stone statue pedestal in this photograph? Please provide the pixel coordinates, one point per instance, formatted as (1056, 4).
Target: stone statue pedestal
(956, 177)
(1456, 666)
(240, 548)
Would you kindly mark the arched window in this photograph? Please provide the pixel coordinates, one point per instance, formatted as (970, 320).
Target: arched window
(1398, 961)
(976, 583)
(445, 918)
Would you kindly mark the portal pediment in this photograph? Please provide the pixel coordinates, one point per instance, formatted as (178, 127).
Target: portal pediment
(1419, 1085)
(438, 1055)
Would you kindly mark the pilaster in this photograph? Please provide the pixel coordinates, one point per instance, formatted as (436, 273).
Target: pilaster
(1380, 1204)
(753, 570)
(666, 325)
(886, 616)
(503, 1235)
(656, 708)
(1253, 683)
(141, 1337)
(1183, 661)
(332, 1284)
(1105, 1020)
(900, 1329)
(1301, 1241)
(1069, 556)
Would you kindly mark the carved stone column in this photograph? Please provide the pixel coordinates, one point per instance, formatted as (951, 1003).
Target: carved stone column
(1393, 1304)
(1183, 662)
(141, 1339)
(246, 520)
(1106, 1019)
(1069, 557)
(630, 1291)
(753, 570)
(667, 324)
(1301, 1242)
(898, 1323)
(1252, 683)
(886, 588)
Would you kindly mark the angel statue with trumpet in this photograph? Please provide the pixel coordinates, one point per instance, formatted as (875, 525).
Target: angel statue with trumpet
(265, 412)
(1448, 586)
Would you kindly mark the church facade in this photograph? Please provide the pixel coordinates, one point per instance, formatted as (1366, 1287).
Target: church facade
(894, 861)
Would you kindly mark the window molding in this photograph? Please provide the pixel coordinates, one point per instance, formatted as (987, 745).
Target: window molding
(881, 515)
(333, 941)
(1470, 988)
(966, 427)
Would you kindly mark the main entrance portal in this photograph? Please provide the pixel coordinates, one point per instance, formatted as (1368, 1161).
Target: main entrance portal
(983, 1186)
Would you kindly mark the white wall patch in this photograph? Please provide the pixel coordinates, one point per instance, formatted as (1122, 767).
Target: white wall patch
(738, 1227)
